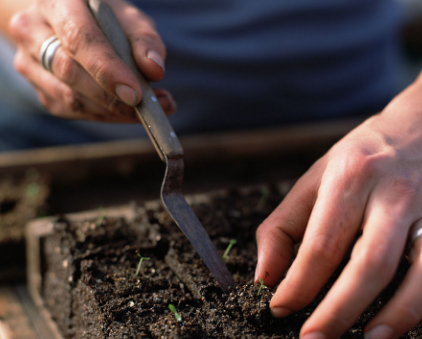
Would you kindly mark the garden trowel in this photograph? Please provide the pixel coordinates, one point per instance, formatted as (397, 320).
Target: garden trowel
(168, 147)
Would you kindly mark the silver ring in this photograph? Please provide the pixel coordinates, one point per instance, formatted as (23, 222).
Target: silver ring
(415, 232)
(48, 49)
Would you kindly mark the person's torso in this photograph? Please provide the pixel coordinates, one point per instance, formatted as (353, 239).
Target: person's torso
(247, 62)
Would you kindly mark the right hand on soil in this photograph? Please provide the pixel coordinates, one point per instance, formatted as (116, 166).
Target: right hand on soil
(89, 80)
(368, 185)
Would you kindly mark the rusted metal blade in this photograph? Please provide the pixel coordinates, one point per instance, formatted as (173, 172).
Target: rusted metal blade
(174, 201)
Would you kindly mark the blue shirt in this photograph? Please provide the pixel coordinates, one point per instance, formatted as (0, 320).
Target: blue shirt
(244, 63)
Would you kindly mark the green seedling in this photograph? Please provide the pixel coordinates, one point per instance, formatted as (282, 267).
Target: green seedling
(264, 197)
(261, 287)
(139, 265)
(226, 252)
(176, 315)
(101, 217)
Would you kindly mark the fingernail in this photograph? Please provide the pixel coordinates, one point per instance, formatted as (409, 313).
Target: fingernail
(127, 94)
(280, 312)
(154, 56)
(313, 335)
(380, 332)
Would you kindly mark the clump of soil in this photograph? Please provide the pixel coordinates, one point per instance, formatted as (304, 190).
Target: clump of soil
(90, 287)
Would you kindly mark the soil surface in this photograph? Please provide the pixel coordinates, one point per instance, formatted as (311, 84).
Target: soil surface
(91, 290)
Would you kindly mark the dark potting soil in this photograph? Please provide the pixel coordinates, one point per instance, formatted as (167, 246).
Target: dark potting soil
(91, 290)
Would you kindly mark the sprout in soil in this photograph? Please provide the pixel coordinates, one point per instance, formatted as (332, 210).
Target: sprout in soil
(260, 287)
(140, 263)
(226, 252)
(264, 197)
(101, 217)
(176, 315)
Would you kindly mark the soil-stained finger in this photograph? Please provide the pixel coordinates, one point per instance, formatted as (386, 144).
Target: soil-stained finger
(71, 73)
(59, 99)
(85, 42)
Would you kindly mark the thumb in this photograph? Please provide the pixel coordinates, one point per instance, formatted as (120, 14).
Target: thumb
(285, 227)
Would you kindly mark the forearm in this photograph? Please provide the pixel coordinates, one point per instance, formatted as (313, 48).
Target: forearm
(7, 10)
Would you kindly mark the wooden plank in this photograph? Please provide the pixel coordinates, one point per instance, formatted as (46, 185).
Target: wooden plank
(14, 322)
(74, 162)
(40, 320)
(35, 231)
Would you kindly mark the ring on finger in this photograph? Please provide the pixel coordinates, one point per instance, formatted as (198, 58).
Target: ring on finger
(48, 49)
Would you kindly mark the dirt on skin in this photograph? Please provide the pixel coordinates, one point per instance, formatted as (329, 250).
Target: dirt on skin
(90, 287)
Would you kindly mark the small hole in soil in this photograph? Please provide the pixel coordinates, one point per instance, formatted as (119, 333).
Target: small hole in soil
(7, 206)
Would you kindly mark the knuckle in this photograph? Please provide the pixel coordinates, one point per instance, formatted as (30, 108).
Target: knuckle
(134, 15)
(298, 297)
(122, 110)
(403, 195)
(264, 230)
(409, 314)
(281, 244)
(20, 64)
(45, 101)
(326, 250)
(107, 100)
(19, 24)
(74, 35)
(354, 170)
(99, 118)
(405, 186)
(150, 21)
(276, 227)
(378, 263)
(359, 166)
(151, 39)
(100, 71)
(71, 101)
(66, 68)
(260, 231)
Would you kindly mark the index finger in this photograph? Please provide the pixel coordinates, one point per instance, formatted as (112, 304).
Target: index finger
(85, 42)
(285, 226)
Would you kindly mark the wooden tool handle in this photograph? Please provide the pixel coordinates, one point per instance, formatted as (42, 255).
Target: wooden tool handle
(149, 110)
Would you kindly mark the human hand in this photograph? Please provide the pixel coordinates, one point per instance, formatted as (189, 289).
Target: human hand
(88, 80)
(370, 181)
